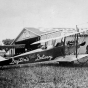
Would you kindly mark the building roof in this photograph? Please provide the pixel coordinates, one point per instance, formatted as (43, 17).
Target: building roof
(30, 32)
(35, 30)
(35, 33)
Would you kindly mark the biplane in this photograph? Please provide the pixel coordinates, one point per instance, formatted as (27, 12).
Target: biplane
(60, 52)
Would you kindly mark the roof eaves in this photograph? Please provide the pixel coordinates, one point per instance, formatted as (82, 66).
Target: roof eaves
(17, 37)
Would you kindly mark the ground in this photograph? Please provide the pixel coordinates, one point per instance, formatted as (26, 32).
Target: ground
(44, 76)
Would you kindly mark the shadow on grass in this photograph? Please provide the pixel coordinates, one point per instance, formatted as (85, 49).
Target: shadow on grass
(64, 64)
(56, 64)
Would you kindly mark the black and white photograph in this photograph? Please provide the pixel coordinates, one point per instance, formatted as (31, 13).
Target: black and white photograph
(43, 43)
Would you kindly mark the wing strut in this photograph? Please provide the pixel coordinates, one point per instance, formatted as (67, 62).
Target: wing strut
(64, 45)
(76, 41)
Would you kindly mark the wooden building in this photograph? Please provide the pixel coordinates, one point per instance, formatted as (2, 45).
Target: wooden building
(29, 35)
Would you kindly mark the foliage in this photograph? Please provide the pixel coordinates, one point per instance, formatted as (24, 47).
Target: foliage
(7, 41)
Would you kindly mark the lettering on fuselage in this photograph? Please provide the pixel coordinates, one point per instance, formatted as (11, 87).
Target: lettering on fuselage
(43, 57)
(29, 58)
(22, 59)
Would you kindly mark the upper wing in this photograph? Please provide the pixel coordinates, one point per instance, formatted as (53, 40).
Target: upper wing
(62, 36)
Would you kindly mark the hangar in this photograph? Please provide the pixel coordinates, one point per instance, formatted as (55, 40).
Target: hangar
(30, 35)
(27, 36)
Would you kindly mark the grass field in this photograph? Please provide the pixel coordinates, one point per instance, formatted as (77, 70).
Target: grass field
(44, 76)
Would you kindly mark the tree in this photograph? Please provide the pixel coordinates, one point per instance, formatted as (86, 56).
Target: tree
(7, 41)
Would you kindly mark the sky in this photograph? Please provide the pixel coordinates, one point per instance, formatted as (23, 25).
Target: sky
(18, 14)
